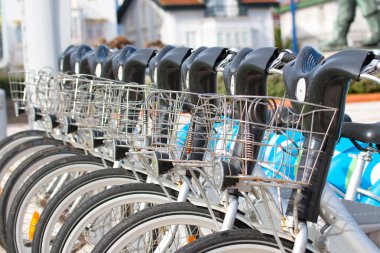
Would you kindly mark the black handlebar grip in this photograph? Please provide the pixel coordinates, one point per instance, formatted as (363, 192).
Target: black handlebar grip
(252, 74)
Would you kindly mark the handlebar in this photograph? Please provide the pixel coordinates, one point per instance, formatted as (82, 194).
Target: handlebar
(313, 79)
(153, 63)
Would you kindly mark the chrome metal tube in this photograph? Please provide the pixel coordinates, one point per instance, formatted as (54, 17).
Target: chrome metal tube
(229, 218)
(356, 176)
(300, 242)
(333, 212)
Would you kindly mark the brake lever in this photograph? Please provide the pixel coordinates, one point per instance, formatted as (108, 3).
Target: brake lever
(283, 58)
(232, 52)
(372, 68)
(369, 72)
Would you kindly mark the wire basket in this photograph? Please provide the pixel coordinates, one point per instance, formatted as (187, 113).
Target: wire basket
(46, 95)
(20, 82)
(180, 127)
(125, 116)
(169, 113)
(243, 135)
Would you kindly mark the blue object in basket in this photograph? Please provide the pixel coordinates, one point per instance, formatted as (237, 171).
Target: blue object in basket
(341, 168)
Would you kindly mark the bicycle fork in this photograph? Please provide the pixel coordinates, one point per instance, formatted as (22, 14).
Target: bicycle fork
(169, 235)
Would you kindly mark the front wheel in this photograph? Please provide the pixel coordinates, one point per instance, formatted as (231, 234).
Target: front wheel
(95, 217)
(232, 241)
(161, 228)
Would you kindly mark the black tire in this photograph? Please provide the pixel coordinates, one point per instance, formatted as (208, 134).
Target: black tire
(7, 157)
(234, 238)
(34, 179)
(159, 211)
(102, 199)
(68, 189)
(20, 135)
(21, 170)
(25, 146)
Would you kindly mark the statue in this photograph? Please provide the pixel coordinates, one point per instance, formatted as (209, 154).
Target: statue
(346, 15)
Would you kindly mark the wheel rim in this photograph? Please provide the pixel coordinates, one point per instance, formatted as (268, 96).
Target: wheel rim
(26, 174)
(26, 210)
(53, 225)
(146, 237)
(106, 209)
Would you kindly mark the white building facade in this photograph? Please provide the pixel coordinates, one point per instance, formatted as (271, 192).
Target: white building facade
(90, 20)
(228, 23)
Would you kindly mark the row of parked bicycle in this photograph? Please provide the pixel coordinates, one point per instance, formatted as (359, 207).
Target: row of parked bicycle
(137, 152)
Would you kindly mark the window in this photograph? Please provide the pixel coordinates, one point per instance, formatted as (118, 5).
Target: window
(18, 34)
(237, 39)
(75, 29)
(245, 39)
(254, 38)
(219, 38)
(190, 39)
(94, 30)
(228, 39)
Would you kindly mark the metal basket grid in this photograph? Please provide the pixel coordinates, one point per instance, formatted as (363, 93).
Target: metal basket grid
(124, 114)
(181, 128)
(169, 115)
(31, 90)
(244, 133)
(19, 82)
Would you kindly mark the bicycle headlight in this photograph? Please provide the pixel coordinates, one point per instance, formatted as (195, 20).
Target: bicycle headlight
(218, 174)
(50, 122)
(35, 114)
(91, 138)
(118, 149)
(68, 126)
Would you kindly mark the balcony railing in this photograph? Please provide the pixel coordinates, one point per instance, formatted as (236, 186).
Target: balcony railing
(226, 11)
